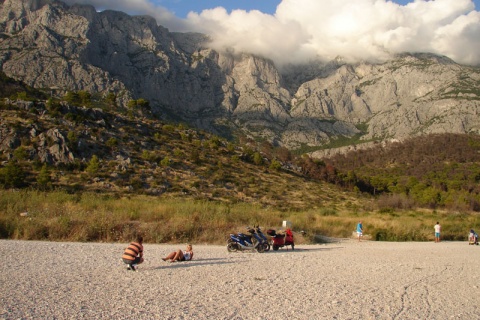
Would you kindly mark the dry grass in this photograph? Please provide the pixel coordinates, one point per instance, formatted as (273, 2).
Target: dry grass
(59, 216)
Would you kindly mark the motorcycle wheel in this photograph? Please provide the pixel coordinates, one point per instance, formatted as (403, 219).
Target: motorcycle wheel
(232, 247)
(275, 247)
(260, 248)
(266, 246)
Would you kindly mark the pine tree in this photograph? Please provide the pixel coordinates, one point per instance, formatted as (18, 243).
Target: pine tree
(93, 165)
(43, 179)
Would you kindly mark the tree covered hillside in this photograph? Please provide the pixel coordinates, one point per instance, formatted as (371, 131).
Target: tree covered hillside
(438, 170)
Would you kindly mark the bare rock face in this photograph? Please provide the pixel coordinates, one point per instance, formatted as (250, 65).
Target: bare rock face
(46, 43)
(8, 140)
(52, 148)
(413, 94)
(43, 46)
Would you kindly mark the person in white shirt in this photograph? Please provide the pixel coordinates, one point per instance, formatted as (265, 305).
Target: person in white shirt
(437, 228)
(180, 255)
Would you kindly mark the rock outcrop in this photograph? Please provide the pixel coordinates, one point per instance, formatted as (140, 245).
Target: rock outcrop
(47, 44)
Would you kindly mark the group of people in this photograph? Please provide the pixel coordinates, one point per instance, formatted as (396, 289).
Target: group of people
(472, 237)
(437, 229)
(133, 254)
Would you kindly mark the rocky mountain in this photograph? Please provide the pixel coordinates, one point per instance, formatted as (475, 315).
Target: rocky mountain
(49, 45)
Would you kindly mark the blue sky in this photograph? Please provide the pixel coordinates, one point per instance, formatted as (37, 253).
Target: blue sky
(290, 31)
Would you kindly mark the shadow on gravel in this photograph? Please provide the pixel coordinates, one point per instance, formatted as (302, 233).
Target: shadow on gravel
(303, 250)
(194, 263)
(322, 249)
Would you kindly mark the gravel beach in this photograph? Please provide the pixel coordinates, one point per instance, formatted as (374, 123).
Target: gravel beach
(341, 280)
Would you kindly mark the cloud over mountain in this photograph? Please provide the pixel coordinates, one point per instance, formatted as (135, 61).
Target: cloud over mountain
(306, 29)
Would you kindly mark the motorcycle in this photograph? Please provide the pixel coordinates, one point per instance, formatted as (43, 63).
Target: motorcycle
(281, 239)
(266, 244)
(244, 242)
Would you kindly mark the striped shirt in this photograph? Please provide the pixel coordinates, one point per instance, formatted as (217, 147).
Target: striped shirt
(134, 250)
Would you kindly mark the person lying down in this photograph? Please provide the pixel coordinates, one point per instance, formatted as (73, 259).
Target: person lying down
(180, 255)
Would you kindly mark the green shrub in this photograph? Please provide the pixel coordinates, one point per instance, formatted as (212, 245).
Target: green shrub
(168, 128)
(43, 179)
(20, 153)
(93, 166)
(12, 175)
(328, 212)
(275, 165)
(112, 142)
(165, 162)
(257, 158)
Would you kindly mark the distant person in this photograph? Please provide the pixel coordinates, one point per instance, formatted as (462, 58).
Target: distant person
(359, 230)
(437, 228)
(473, 237)
(180, 255)
(133, 254)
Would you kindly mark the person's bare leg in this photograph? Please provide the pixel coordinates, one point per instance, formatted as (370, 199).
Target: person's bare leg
(178, 256)
(169, 256)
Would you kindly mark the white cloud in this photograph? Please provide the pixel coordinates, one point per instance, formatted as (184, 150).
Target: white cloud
(305, 29)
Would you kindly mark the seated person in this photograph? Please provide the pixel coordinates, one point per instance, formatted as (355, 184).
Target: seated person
(473, 237)
(180, 255)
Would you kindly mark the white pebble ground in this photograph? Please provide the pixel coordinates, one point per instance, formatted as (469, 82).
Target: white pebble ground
(342, 280)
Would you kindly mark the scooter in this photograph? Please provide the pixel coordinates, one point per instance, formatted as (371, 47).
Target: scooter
(244, 242)
(281, 239)
(266, 244)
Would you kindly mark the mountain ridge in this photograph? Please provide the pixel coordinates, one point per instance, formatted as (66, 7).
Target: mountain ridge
(48, 44)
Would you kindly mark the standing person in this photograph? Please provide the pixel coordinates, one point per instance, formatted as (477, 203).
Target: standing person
(180, 255)
(359, 230)
(133, 254)
(437, 228)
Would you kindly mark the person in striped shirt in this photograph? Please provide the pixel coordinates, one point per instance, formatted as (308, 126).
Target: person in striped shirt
(133, 254)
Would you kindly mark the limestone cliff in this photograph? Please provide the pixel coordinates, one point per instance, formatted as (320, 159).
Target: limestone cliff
(50, 45)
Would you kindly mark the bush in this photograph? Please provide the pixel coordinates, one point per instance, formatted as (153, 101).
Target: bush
(93, 165)
(148, 156)
(72, 140)
(328, 212)
(165, 162)
(112, 142)
(168, 128)
(394, 201)
(12, 175)
(43, 179)
(20, 153)
(275, 165)
(257, 159)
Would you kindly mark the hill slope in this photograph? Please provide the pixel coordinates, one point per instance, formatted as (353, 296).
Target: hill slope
(81, 149)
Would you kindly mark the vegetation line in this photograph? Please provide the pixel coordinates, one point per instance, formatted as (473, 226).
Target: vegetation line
(59, 216)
